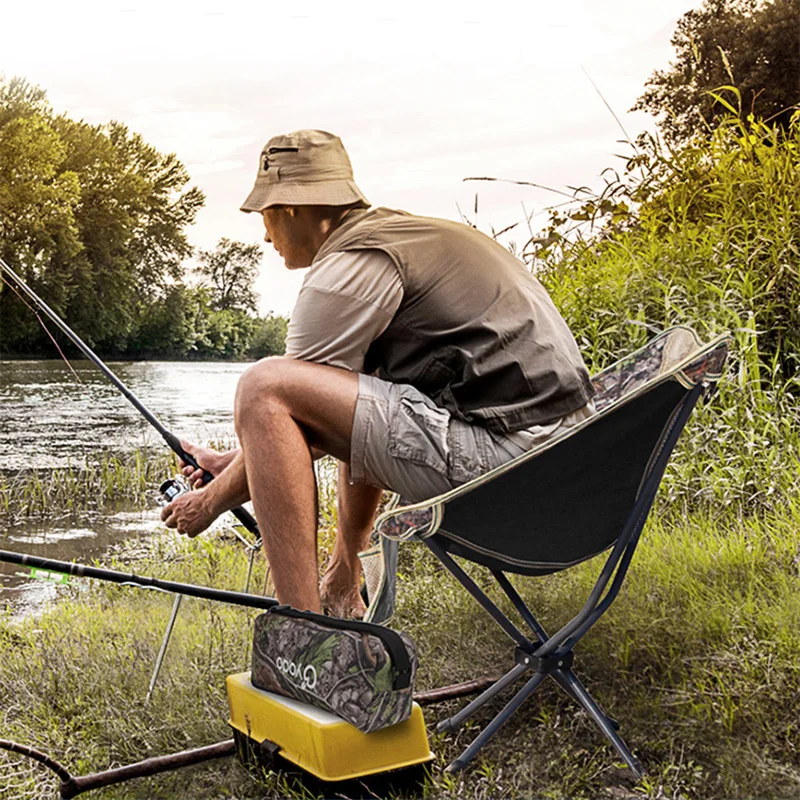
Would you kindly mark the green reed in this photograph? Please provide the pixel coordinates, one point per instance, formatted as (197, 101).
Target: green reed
(708, 236)
(98, 480)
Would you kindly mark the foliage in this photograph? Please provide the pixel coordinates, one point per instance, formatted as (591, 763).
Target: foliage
(752, 44)
(184, 324)
(231, 268)
(92, 216)
(95, 220)
(269, 338)
(713, 240)
(38, 201)
(90, 485)
(706, 235)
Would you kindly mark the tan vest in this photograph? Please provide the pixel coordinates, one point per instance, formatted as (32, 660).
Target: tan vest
(476, 332)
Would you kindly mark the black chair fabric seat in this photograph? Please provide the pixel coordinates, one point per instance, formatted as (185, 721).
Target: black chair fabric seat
(560, 508)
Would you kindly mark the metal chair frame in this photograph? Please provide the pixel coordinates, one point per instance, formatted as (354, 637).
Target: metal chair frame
(553, 656)
(537, 654)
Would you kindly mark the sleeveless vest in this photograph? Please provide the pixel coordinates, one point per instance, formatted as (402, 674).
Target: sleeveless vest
(475, 331)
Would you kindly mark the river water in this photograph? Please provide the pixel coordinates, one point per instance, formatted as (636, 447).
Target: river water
(50, 417)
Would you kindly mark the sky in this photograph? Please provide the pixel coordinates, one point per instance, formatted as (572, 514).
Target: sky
(423, 95)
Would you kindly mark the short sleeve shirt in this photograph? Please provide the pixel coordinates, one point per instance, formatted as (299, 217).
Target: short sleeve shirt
(346, 301)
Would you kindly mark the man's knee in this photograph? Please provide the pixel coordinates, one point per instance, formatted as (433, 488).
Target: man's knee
(261, 387)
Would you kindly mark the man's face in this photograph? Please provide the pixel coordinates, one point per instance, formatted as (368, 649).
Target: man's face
(292, 235)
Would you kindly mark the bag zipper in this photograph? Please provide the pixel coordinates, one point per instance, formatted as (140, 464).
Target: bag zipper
(391, 639)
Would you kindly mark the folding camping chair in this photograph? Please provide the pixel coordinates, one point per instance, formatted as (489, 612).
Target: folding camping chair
(562, 503)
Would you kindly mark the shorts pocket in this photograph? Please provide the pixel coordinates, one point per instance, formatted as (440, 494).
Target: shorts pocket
(418, 433)
(468, 455)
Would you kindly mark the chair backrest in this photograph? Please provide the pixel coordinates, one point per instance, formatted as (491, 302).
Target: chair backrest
(570, 498)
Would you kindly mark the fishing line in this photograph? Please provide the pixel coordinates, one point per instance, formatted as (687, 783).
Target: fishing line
(244, 516)
(46, 329)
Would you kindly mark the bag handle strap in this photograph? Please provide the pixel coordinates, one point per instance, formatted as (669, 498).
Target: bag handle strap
(391, 639)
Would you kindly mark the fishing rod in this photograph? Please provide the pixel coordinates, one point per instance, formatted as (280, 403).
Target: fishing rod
(244, 516)
(140, 581)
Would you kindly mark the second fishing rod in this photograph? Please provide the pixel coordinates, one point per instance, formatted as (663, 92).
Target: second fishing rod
(172, 441)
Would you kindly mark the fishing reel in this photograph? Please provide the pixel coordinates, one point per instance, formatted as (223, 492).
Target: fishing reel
(172, 488)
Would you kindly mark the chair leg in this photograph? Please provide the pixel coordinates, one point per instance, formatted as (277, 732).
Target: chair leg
(458, 719)
(513, 595)
(574, 687)
(491, 729)
(567, 687)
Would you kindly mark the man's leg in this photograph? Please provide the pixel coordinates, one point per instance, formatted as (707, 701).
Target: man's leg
(283, 408)
(356, 505)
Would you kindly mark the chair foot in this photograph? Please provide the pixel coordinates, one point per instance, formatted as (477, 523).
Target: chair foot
(636, 768)
(445, 725)
(455, 766)
(606, 724)
(506, 712)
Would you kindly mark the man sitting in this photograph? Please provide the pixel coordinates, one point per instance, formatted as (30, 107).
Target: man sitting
(420, 354)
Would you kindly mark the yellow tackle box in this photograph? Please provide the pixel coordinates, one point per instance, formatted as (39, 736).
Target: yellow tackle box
(319, 742)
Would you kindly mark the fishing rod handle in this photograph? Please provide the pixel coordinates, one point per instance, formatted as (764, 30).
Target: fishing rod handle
(175, 445)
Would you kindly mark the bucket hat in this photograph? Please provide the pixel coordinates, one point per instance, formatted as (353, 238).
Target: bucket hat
(304, 168)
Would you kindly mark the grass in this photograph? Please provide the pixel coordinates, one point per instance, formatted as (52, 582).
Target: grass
(708, 237)
(698, 658)
(91, 485)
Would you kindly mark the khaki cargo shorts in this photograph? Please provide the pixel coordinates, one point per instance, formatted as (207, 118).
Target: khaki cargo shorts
(404, 442)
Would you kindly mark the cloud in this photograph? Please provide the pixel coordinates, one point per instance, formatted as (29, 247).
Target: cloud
(423, 94)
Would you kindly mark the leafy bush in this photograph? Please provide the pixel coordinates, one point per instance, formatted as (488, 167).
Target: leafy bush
(707, 235)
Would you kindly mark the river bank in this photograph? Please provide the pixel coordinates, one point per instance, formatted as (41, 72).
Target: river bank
(79, 467)
(76, 513)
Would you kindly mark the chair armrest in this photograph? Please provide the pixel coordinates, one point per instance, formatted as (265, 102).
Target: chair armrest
(405, 521)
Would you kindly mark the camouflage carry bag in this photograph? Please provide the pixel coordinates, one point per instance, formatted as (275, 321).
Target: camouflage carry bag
(362, 672)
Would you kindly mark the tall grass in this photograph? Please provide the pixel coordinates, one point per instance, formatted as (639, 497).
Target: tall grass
(708, 236)
(99, 480)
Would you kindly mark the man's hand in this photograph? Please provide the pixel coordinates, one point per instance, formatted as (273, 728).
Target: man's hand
(210, 460)
(188, 513)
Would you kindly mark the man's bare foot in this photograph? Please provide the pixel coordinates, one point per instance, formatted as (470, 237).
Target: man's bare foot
(340, 595)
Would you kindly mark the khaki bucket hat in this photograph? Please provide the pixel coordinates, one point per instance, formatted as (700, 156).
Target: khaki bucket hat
(304, 168)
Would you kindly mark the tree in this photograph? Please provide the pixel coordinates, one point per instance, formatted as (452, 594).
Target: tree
(19, 99)
(132, 222)
(38, 201)
(750, 45)
(167, 325)
(230, 270)
(269, 338)
(92, 215)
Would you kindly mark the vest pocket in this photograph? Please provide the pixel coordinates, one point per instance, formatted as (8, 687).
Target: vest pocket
(418, 433)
